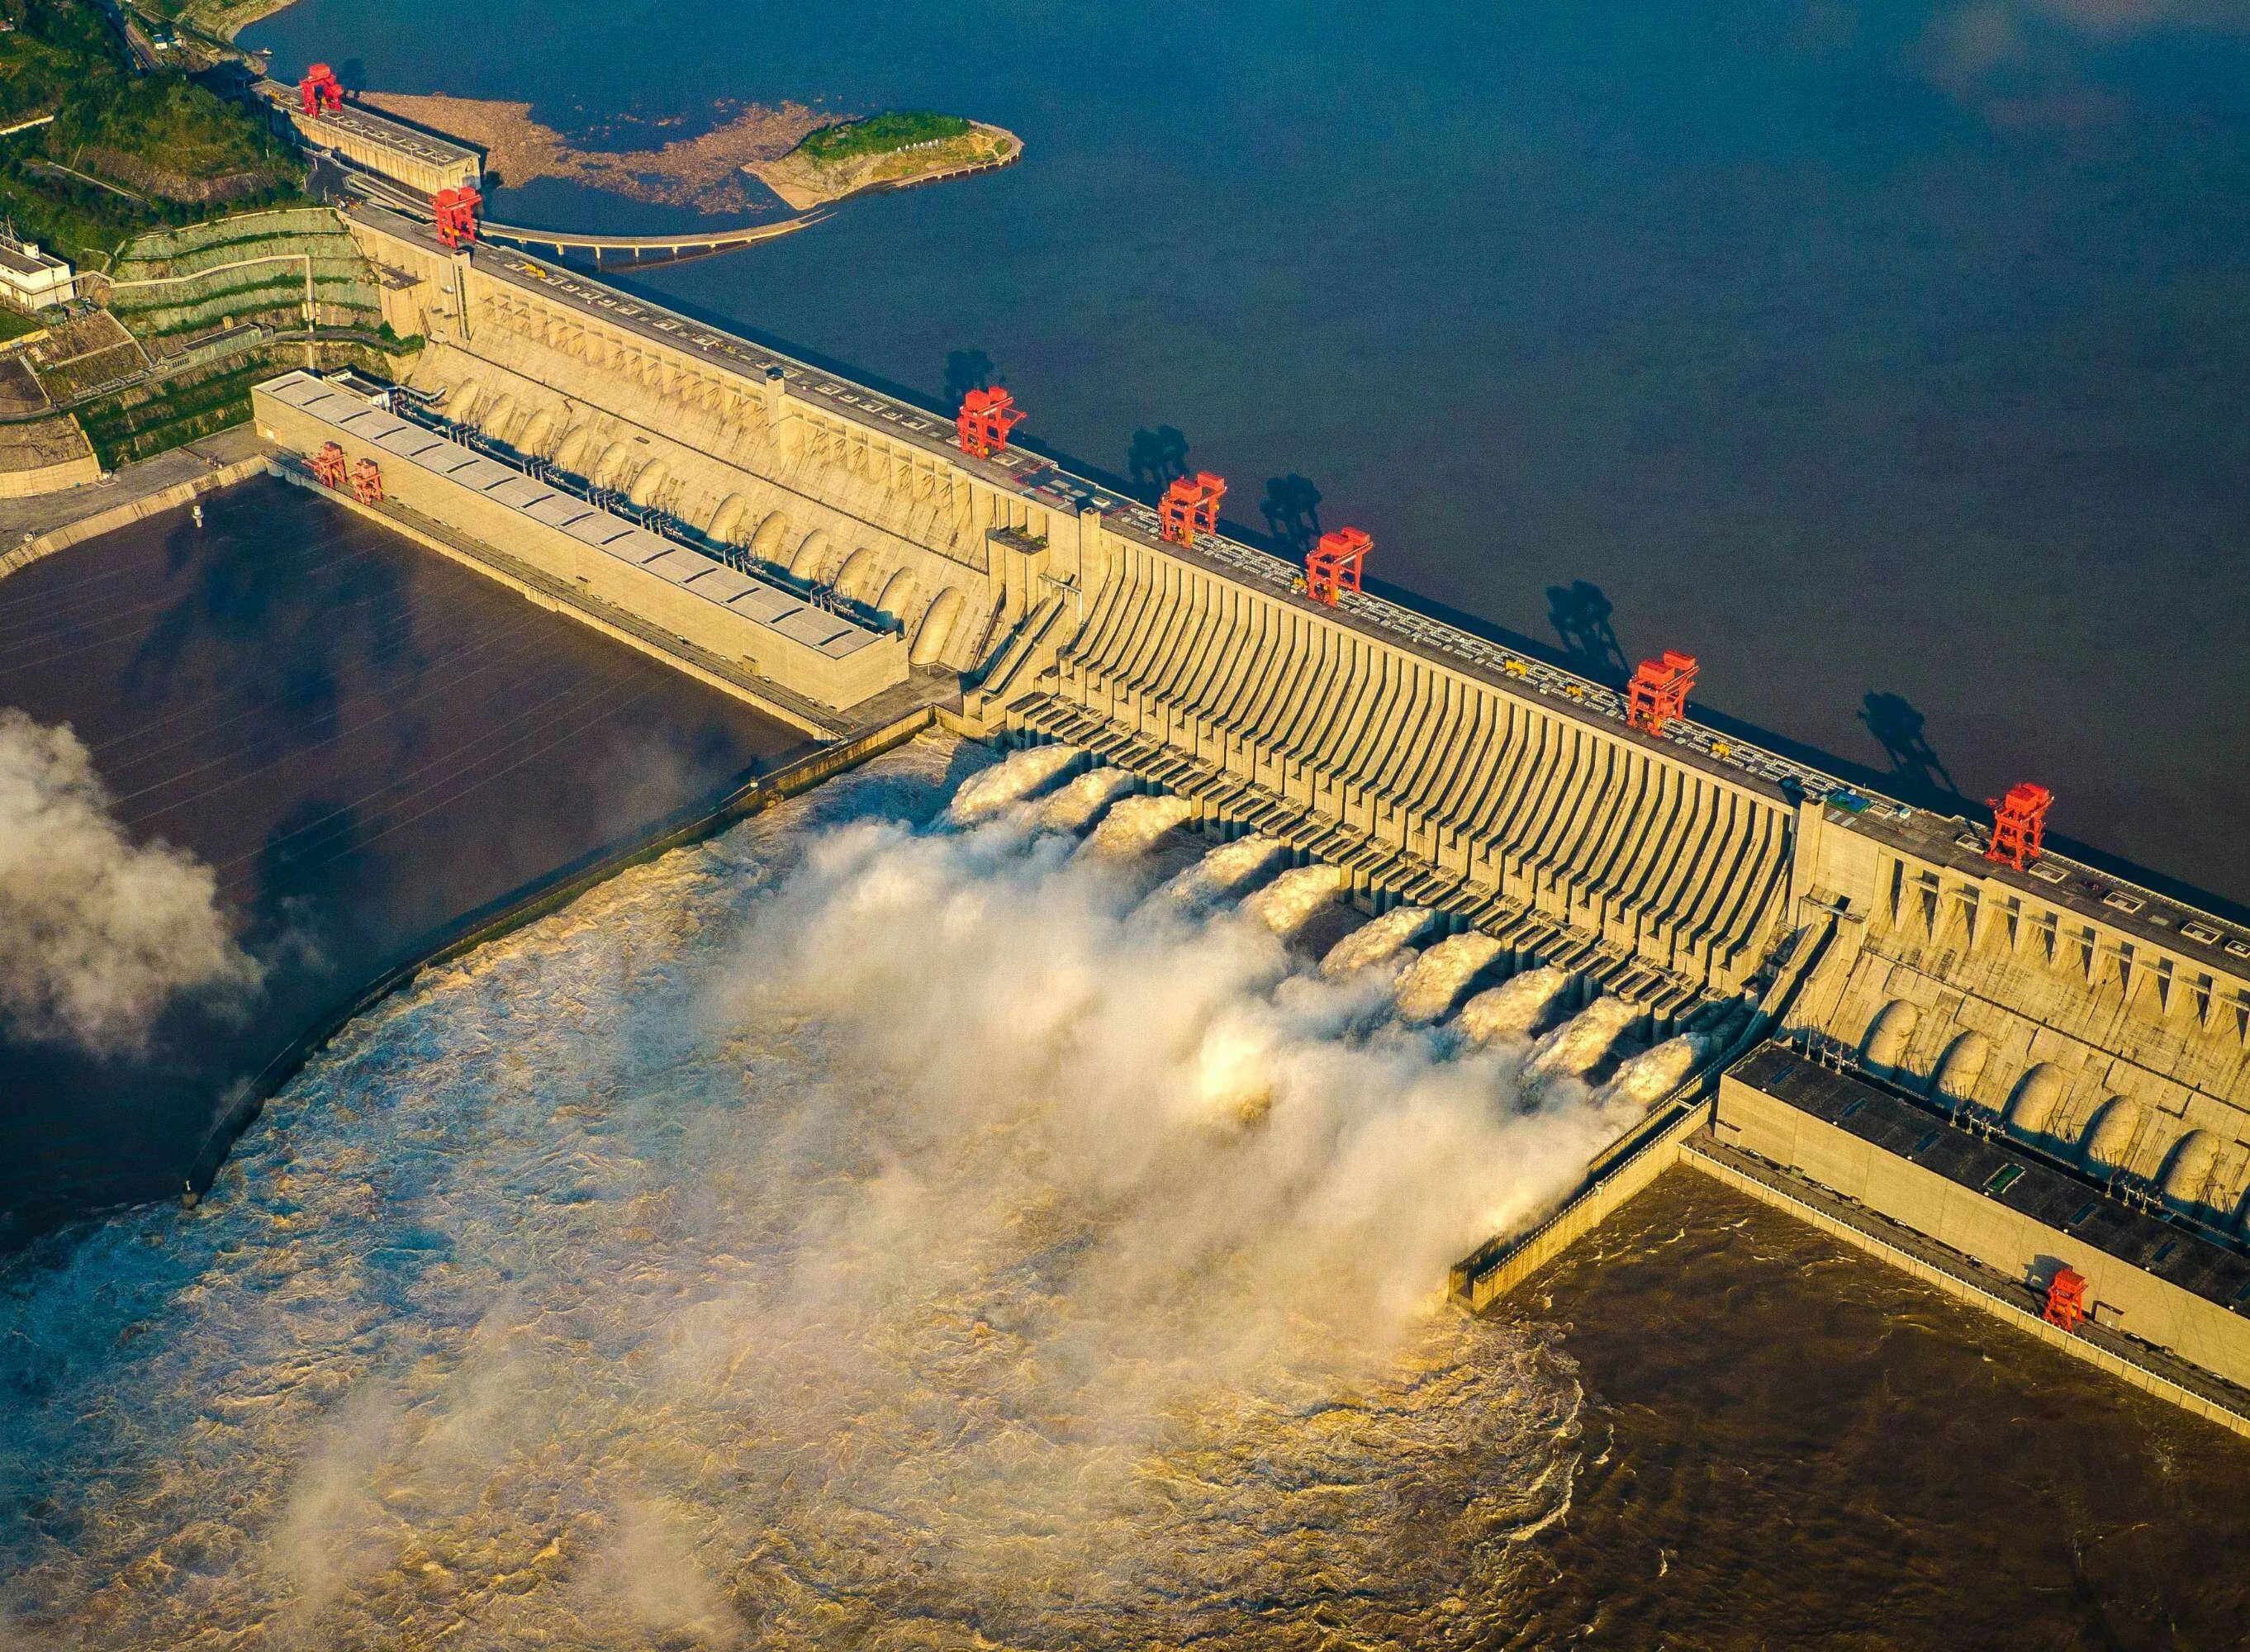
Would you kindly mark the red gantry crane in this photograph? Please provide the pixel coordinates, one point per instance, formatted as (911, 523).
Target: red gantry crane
(985, 418)
(2065, 1299)
(456, 211)
(321, 92)
(1658, 693)
(1190, 507)
(2018, 825)
(328, 466)
(1334, 565)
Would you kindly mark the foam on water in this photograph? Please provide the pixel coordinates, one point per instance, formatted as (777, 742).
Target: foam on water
(1512, 1009)
(835, 1227)
(1224, 871)
(1292, 901)
(1647, 1078)
(1135, 825)
(1580, 1043)
(1020, 775)
(1376, 940)
(1078, 804)
(1442, 974)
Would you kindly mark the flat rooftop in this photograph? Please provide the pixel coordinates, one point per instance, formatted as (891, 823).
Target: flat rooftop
(2172, 1252)
(26, 260)
(762, 605)
(381, 129)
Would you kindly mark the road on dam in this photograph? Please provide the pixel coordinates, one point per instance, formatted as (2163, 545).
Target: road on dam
(365, 741)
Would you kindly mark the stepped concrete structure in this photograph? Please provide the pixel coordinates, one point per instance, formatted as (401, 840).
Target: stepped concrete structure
(1715, 885)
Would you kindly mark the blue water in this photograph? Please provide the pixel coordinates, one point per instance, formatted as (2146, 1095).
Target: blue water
(1889, 358)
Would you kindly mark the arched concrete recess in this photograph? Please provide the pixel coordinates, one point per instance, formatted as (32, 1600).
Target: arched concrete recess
(809, 555)
(861, 576)
(496, 419)
(2186, 1176)
(768, 543)
(613, 461)
(570, 452)
(2031, 1109)
(1954, 1081)
(728, 519)
(2110, 1138)
(462, 404)
(937, 628)
(652, 476)
(538, 435)
(897, 593)
(1888, 1035)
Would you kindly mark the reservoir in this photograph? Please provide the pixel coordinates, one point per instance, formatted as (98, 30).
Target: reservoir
(1884, 358)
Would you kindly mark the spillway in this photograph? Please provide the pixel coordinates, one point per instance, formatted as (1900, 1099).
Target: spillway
(1079, 803)
(1135, 825)
(1377, 941)
(1014, 778)
(1443, 973)
(1511, 1009)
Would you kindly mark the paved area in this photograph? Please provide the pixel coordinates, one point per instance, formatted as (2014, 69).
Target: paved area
(22, 519)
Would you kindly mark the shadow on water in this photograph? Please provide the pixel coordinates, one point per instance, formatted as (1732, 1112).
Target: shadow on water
(1158, 457)
(966, 371)
(1292, 510)
(1918, 775)
(1580, 612)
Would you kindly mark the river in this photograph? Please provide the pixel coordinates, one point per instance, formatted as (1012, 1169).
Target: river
(859, 1231)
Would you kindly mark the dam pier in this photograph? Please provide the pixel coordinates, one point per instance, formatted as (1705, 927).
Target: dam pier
(1981, 1058)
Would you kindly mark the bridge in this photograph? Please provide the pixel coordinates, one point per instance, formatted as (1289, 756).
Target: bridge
(653, 249)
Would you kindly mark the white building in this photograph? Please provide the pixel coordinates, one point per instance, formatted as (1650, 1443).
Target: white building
(31, 279)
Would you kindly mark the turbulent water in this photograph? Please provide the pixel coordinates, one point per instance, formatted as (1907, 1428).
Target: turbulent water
(848, 1226)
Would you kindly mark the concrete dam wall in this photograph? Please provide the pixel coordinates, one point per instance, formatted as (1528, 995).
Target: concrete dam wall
(1687, 874)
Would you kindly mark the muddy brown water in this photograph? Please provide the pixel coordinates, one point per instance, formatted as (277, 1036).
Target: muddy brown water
(365, 741)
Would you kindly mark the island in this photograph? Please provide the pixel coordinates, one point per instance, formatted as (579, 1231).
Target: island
(887, 151)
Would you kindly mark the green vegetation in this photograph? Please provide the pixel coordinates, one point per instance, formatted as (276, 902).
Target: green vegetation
(881, 133)
(177, 283)
(124, 152)
(152, 419)
(15, 324)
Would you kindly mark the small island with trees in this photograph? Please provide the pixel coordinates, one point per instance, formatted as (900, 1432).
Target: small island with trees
(886, 151)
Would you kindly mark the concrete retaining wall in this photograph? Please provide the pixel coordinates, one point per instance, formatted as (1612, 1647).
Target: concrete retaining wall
(127, 512)
(2014, 1245)
(1932, 1271)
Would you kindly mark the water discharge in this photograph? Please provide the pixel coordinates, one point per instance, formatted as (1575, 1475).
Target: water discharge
(1645, 1079)
(1376, 940)
(1021, 775)
(1512, 1009)
(1443, 973)
(1080, 803)
(1294, 899)
(1580, 1044)
(842, 1225)
(1135, 825)
(1227, 870)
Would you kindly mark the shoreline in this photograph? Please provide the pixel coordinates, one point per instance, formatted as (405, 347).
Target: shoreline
(805, 184)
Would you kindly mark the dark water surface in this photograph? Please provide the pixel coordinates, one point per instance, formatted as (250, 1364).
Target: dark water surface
(1889, 357)
(1788, 1444)
(364, 740)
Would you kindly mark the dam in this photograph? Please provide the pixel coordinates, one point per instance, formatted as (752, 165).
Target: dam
(2092, 1034)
